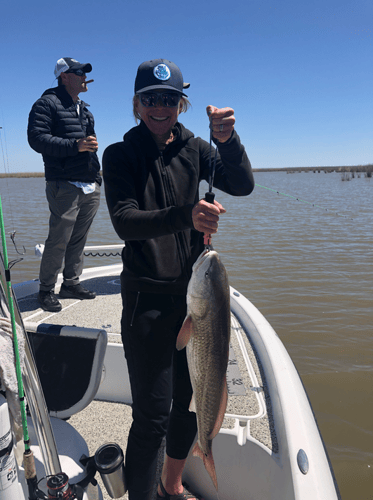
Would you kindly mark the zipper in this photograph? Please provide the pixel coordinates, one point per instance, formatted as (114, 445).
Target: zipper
(179, 237)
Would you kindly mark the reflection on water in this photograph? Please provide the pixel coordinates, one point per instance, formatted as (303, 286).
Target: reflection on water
(307, 268)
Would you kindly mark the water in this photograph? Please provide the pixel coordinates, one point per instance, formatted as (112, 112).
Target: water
(308, 269)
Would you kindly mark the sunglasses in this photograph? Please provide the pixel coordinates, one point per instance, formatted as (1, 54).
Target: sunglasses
(169, 99)
(78, 72)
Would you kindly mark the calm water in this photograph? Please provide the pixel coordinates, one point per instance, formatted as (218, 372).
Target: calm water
(309, 269)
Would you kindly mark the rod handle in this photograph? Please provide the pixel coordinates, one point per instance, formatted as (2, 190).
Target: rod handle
(210, 197)
(29, 465)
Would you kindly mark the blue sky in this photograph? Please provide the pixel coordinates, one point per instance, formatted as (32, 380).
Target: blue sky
(298, 74)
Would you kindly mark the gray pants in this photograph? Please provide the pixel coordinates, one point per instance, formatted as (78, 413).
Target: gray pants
(72, 213)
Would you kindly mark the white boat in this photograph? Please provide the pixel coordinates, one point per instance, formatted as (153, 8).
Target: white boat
(269, 446)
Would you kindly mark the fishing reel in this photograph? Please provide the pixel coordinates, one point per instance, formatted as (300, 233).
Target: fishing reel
(108, 461)
(58, 488)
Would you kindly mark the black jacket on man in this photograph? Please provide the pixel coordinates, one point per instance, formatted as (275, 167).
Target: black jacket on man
(151, 194)
(53, 130)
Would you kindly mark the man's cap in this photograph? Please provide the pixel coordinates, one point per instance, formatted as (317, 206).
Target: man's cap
(66, 63)
(159, 74)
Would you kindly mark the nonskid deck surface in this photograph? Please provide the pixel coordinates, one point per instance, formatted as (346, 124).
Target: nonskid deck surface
(104, 422)
(102, 312)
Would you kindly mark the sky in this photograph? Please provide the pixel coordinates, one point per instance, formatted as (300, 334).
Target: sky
(299, 75)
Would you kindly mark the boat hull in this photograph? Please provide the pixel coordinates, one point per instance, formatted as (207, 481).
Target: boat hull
(289, 462)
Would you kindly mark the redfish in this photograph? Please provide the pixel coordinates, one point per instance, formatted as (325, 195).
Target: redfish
(206, 333)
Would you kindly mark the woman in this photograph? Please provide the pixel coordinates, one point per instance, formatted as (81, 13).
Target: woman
(151, 184)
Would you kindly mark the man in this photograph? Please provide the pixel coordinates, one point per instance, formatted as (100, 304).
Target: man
(61, 128)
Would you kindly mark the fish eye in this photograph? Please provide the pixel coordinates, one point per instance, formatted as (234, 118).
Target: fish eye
(206, 274)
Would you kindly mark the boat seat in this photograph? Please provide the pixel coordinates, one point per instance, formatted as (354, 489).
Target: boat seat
(69, 361)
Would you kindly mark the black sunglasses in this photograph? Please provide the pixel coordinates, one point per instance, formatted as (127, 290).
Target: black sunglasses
(78, 72)
(169, 99)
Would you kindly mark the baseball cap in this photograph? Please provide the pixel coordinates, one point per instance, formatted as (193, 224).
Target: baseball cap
(66, 63)
(159, 74)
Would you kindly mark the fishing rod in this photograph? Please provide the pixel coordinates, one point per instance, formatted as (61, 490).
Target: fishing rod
(28, 457)
(303, 201)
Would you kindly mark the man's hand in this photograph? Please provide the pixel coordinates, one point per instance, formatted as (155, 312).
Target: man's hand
(88, 144)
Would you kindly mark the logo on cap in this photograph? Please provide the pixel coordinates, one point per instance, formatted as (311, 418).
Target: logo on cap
(162, 72)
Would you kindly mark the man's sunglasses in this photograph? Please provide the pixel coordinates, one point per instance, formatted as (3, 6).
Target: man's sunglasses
(169, 99)
(78, 72)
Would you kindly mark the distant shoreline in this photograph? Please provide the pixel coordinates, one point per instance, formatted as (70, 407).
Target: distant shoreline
(351, 168)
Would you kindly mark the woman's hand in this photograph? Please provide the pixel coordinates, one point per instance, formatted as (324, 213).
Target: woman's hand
(221, 122)
(206, 216)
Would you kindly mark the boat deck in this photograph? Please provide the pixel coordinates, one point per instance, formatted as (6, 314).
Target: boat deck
(104, 422)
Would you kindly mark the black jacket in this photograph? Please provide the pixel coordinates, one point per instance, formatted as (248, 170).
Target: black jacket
(53, 129)
(151, 194)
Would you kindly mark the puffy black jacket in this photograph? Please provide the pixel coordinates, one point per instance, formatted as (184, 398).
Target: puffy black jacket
(151, 194)
(53, 129)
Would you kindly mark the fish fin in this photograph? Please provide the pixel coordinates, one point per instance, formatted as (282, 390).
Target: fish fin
(222, 408)
(184, 334)
(208, 462)
(192, 405)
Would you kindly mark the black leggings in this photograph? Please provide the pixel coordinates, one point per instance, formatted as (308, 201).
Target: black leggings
(159, 376)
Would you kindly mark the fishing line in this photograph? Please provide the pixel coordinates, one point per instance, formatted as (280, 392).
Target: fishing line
(7, 174)
(6, 163)
(304, 201)
(212, 167)
(4, 154)
(6, 170)
(210, 196)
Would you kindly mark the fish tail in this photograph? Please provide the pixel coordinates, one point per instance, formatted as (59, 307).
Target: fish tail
(208, 462)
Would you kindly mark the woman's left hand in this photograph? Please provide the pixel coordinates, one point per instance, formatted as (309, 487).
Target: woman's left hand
(221, 122)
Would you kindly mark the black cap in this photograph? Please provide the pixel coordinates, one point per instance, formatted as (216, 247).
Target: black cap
(159, 74)
(66, 63)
